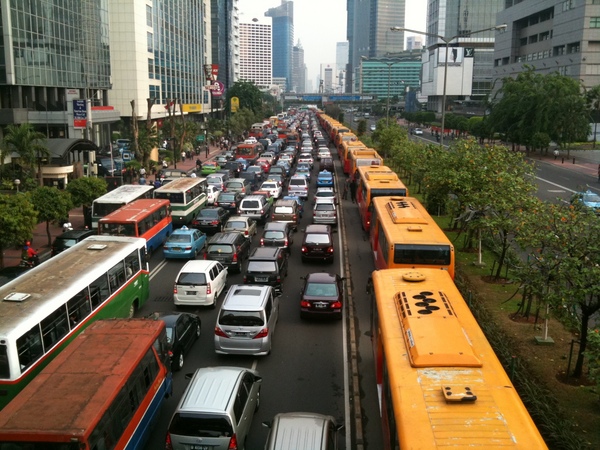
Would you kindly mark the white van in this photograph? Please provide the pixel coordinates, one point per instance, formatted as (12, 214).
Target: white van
(298, 186)
(301, 430)
(200, 282)
(216, 409)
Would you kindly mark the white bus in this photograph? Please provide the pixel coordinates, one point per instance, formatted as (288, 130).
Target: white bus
(187, 197)
(113, 200)
(42, 310)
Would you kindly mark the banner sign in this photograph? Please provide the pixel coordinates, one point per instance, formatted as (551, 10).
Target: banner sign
(235, 104)
(79, 114)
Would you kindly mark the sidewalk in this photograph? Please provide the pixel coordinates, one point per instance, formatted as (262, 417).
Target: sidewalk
(582, 161)
(12, 256)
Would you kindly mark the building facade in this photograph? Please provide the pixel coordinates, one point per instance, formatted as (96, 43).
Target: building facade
(256, 54)
(390, 77)
(283, 40)
(466, 71)
(298, 69)
(225, 41)
(414, 43)
(550, 36)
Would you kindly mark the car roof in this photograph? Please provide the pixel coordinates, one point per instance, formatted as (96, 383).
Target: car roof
(198, 265)
(318, 228)
(265, 253)
(182, 230)
(169, 318)
(321, 277)
(270, 226)
(76, 234)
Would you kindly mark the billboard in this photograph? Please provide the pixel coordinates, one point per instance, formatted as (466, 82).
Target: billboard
(454, 57)
(79, 114)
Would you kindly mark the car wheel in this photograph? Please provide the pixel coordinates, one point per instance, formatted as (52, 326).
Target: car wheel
(179, 362)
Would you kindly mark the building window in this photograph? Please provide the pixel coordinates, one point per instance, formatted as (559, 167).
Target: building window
(150, 68)
(150, 45)
(149, 15)
(573, 48)
(568, 4)
(559, 50)
(595, 22)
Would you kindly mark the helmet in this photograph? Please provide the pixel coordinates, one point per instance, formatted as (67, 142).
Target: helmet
(27, 243)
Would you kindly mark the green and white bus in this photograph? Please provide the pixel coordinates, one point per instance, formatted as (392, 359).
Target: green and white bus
(187, 197)
(42, 310)
(113, 200)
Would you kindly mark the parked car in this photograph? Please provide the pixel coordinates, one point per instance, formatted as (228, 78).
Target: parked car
(246, 321)
(317, 244)
(278, 234)
(244, 225)
(588, 199)
(321, 295)
(199, 283)
(183, 329)
(211, 219)
(184, 242)
(229, 201)
(69, 238)
(418, 132)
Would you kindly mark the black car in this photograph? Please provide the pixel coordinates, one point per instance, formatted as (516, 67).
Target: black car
(234, 166)
(229, 201)
(326, 164)
(69, 239)
(211, 220)
(267, 265)
(278, 234)
(183, 329)
(230, 248)
(317, 244)
(321, 295)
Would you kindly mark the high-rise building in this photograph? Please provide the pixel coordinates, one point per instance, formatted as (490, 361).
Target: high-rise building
(283, 39)
(298, 69)
(391, 77)
(549, 36)
(368, 32)
(341, 61)
(467, 68)
(225, 40)
(414, 43)
(256, 54)
(175, 35)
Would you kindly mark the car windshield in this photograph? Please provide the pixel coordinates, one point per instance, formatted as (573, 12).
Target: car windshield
(241, 318)
(179, 238)
(227, 197)
(324, 207)
(192, 279)
(274, 235)
(321, 290)
(219, 249)
(317, 239)
(591, 197)
(325, 194)
(251, 204)
(284, 210)
(261, 266)
(236, 225)
(208, 213)
(297, 182)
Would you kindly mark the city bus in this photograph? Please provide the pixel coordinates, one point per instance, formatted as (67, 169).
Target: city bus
(375, 181)
(104, 391)
(404, 235)
(439, 382)
(362, 157)
(249, 151)
(344, 153)
(147, 219)
(44, 308)
(187, 197)
(116, 198)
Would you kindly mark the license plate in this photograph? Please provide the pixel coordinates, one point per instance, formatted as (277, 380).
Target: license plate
(261, 279)
(199, 447)
(320, 305)
(177, 249)
(190, 293)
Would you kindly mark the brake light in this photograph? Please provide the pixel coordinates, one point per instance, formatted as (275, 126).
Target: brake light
(235, 257)
(168, 444)
(214, 222)
(220, 333)
(336, 305)
(262, 211)
(174, 289)
(285, 242)
(208, 289)
(272, 216)
(304, 249)
(304, 304)
(233, 443)
(330, 249)
(262, 242)
(262, 333)
(205, 255)
(246, 232)
(188, 248)
(294, 217)
(245, 279)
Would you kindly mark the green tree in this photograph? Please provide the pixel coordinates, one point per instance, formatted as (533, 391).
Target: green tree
(388, 137)
(593, 102)
(18, 218)
(29, 144)
(52, 205)
(361, 127)
(250, 96)
(84, 191)
(241, 121)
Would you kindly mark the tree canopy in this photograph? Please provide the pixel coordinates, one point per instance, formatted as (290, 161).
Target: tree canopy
(17, 221)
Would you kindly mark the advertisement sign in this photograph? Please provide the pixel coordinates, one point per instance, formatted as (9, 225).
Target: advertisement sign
(455, 55)
(79, 114)
(191, 107)
(72, 94)
(217, 88)
(234, 104)
(208, 72)
(215, 71)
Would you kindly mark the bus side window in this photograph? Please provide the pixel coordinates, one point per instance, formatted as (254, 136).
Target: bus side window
(116, 277)
(78, 307)
(29, 347)
(132, 262)
(99, 291)
(141, 228)
(55, 327)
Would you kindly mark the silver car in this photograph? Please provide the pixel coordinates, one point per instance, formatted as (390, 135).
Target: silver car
(325, 211)
(246, 321)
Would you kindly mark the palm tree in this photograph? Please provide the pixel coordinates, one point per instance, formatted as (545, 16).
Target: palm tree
(28, 143)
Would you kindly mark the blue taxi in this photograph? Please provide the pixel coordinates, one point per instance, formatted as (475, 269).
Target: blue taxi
(184, 243)
(325, 179)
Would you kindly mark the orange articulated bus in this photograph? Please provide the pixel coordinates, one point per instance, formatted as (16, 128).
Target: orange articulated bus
(104, 391)
(363, 157)
(404, 235)
(439, 380)
(375, 181)
(344, 153)
(344, 137)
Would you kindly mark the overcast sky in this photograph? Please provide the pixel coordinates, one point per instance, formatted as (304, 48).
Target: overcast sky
(320, 24)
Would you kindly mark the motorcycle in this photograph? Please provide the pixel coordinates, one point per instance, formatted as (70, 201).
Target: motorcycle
(30, 261)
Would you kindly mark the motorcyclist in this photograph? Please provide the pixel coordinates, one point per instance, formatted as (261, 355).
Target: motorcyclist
(29, 254)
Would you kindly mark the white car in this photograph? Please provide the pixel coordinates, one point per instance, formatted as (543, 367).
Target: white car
(200, 282)
(418, 132)
(211, 194)
(306, 158)
(272, 187)
(323, 153)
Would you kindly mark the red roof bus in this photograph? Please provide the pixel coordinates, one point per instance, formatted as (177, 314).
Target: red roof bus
(148, 219)
(439, 381)
(404, 235)
(250, 151)
(102, 392)
(363, 157)
(375, 181)
(44, 309)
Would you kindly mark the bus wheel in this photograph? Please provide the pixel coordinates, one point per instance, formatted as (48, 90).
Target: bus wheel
(131, 311)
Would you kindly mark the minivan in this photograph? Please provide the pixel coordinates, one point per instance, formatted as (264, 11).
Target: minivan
(216, 409)
(298, 186)
(246, 320)
(230, 248)
(256, 207)
(267, 265)
(199, 283)
(286, 211)
(302, 430)
(240, 185)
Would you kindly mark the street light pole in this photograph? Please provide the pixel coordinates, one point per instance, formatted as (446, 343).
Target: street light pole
(387, 108)
(447, 41)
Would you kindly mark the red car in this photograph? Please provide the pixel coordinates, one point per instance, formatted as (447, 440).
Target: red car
(264, 163)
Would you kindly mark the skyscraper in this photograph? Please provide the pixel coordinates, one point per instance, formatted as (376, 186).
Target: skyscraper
(256, 54)
(298, 69)
(341, 60)
(368, 32)
(225, 40)
(283, 40)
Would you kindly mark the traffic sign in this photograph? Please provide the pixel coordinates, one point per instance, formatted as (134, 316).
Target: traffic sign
(200, 138)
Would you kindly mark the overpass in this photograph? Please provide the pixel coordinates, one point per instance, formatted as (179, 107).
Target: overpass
(290, 98)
